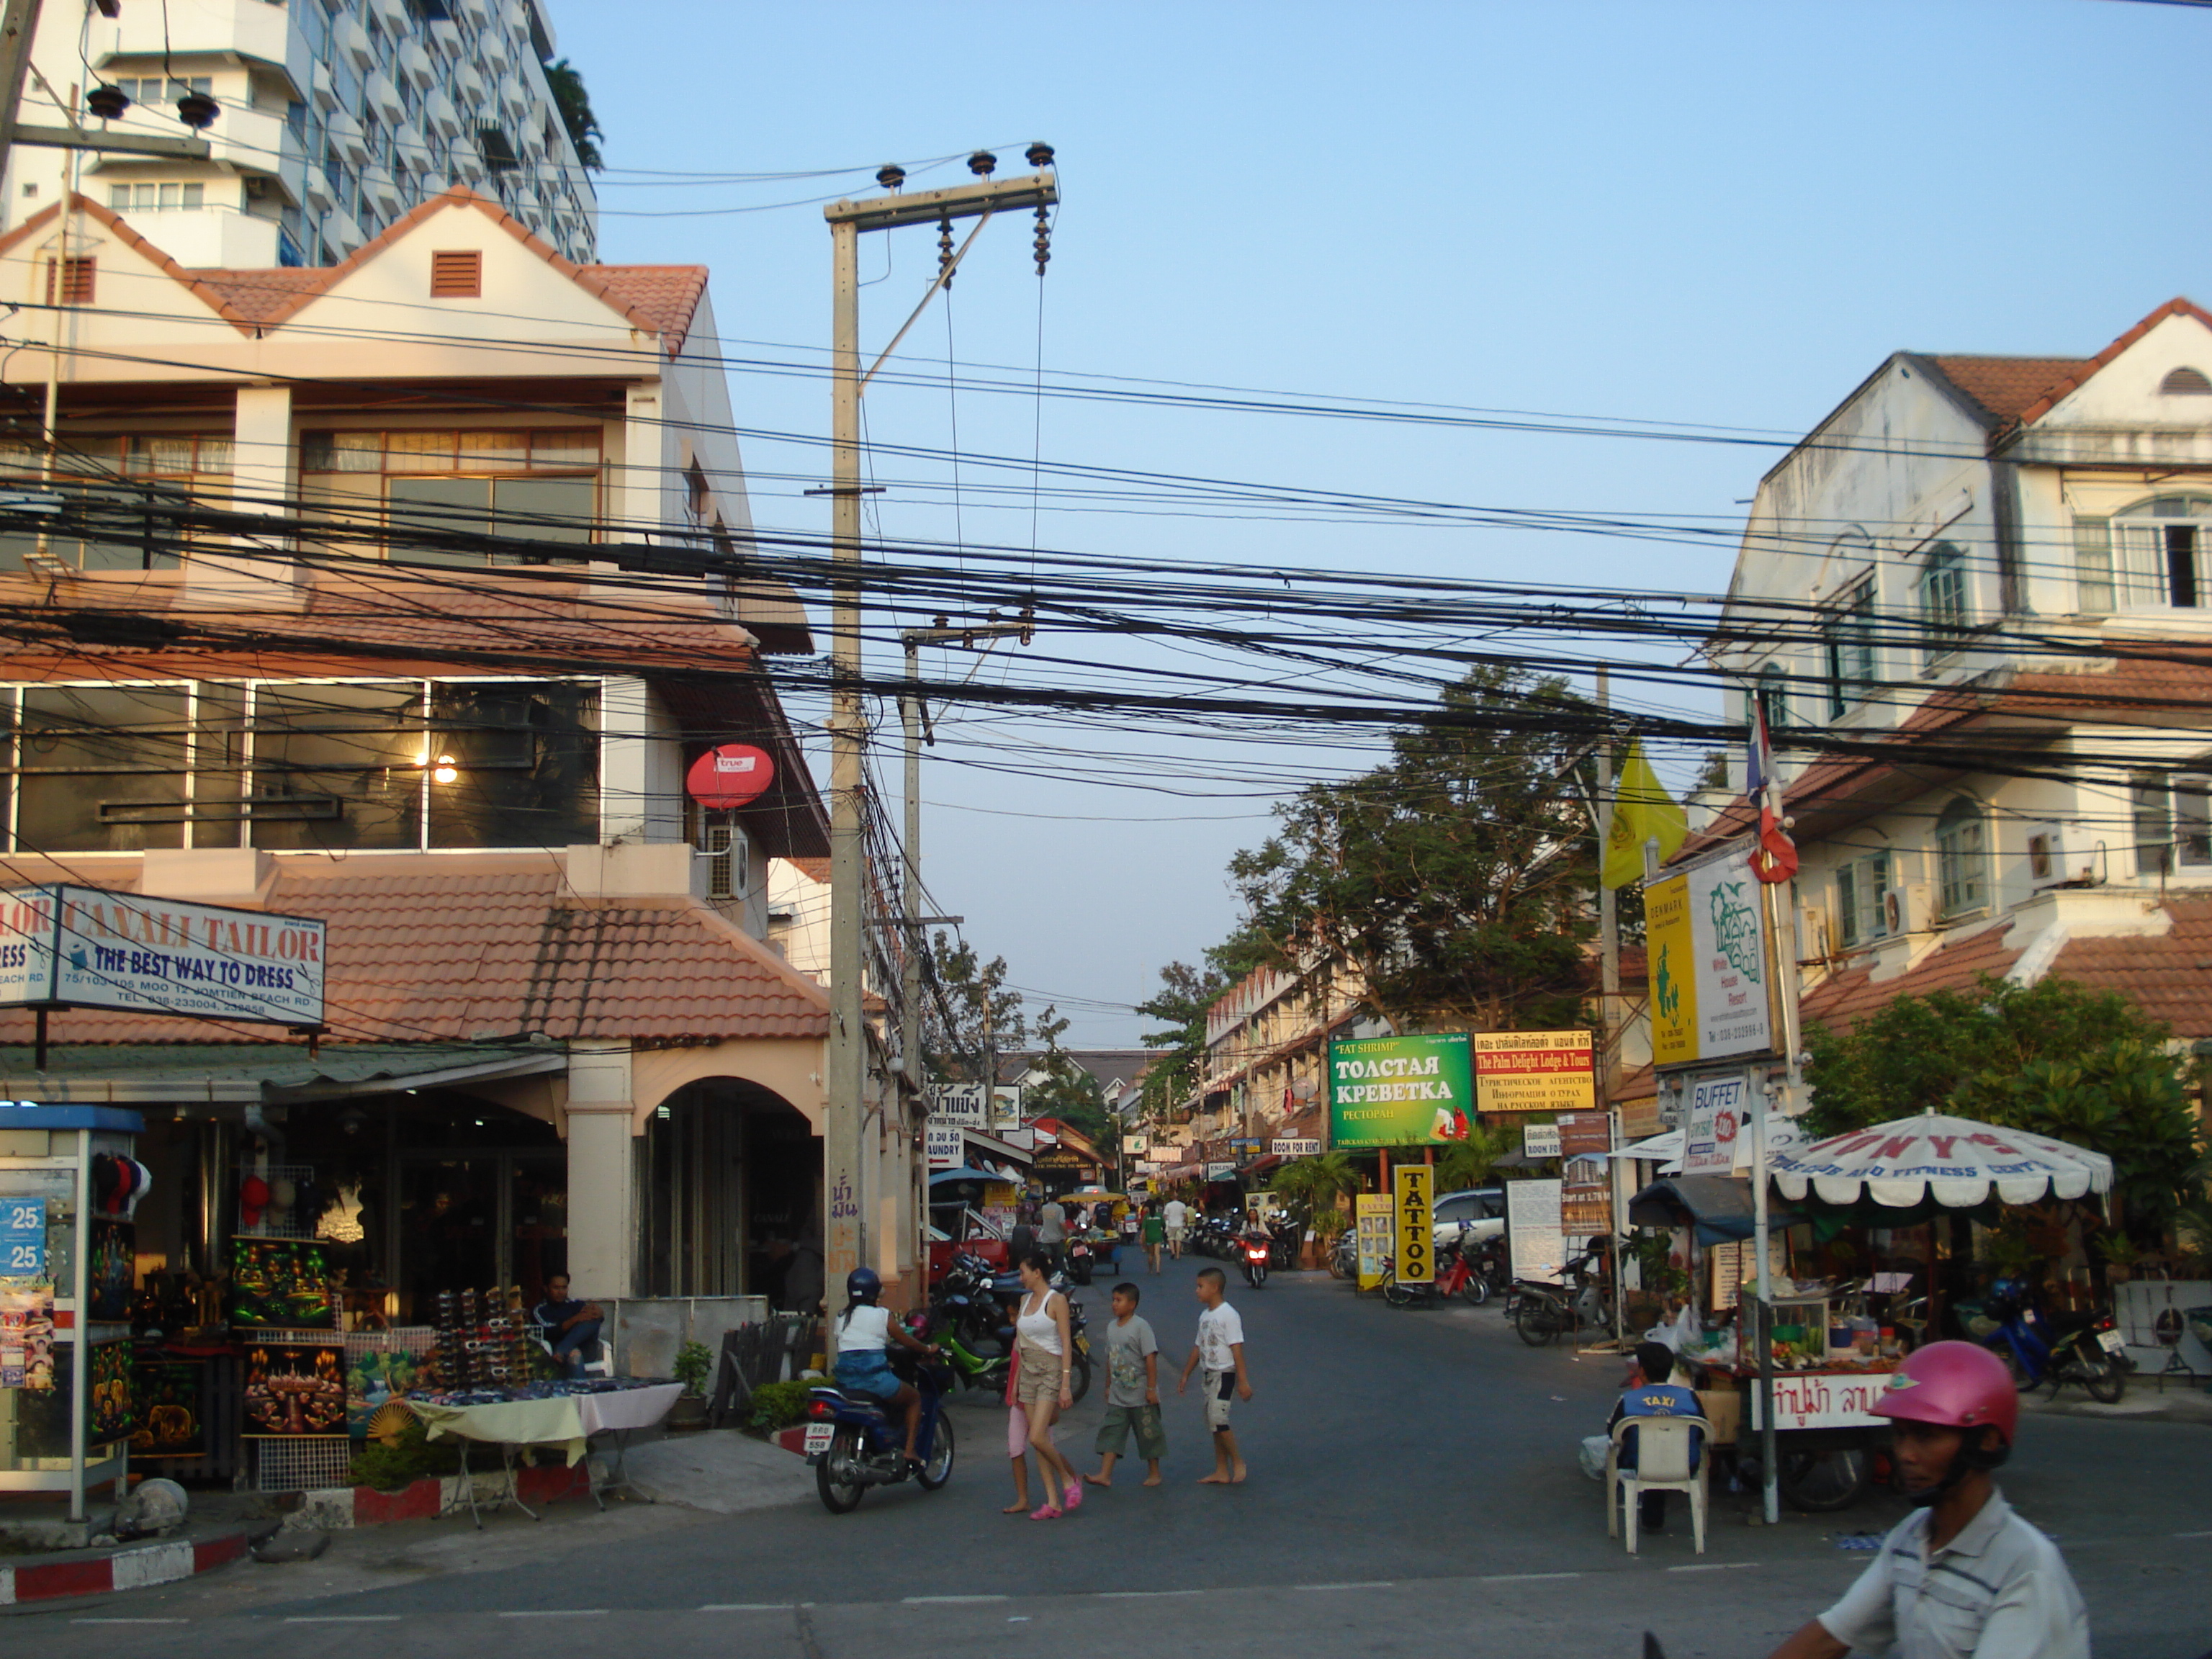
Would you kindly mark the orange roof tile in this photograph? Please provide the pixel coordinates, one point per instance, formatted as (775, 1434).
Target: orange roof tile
(445, 949)
(2003, 387)
(667, 295)
(1844, 1000)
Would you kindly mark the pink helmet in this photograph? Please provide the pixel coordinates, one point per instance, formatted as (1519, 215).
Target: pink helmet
(1954, 1385)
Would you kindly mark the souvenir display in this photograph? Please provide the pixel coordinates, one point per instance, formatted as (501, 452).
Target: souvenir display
(482, 1342)
(111, 1414)
(281, 1283)
(114, 1272)
(26, 1338)
(167, 1396)
(373, 1381)
(294, 1389)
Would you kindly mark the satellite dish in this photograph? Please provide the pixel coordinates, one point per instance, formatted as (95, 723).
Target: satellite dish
(729, 775)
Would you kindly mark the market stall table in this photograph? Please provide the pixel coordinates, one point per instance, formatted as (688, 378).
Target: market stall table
(566, 1420)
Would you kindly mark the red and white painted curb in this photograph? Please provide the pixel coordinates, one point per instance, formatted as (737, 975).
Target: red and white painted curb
(123, 1569)
(340, 1508)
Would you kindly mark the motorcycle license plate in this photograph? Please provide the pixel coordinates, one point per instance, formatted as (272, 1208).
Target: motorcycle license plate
(2110, 1341)
(819, 1436)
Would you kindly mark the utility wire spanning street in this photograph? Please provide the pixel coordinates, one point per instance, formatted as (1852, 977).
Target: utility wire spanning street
(1413, 1489)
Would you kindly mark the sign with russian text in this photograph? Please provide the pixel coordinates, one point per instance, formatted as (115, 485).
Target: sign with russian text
(83, 947)
(1709, 963)
(1536, 1071)
(1416, 1224)
(1295, 1146)
(1537, 1247)
(1714, 1123)
(1400, 1091)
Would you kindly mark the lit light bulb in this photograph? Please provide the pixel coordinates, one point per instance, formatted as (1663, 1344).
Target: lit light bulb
(445, 771)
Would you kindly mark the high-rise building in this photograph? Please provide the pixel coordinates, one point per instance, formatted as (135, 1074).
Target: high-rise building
(335, 118)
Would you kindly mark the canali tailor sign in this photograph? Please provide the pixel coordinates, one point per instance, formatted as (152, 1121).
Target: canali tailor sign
(81, 947)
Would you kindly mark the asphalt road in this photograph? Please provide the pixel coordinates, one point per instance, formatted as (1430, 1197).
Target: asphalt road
(1413, 1489)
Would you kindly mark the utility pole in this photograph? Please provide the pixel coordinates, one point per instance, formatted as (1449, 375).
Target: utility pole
(19, 26)
(847, 1237)
(1608, 985)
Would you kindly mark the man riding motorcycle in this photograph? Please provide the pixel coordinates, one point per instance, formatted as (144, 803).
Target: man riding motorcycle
(1962, 1574)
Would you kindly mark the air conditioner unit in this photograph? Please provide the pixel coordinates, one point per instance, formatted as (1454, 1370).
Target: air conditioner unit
(257, 189)
(728, 854)
(1812, 933)
(1907, 909)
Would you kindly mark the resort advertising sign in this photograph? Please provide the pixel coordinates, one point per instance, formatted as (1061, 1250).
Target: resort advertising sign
(1400, 1091)
(63, 946)
(1710, 969)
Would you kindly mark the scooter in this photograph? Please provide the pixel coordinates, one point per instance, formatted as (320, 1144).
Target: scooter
(949, 1315)
(2057, 1348)
(1254, 1250)
(854, 1443)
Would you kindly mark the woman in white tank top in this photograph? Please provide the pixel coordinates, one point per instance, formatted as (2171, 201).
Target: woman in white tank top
(1044, 1354)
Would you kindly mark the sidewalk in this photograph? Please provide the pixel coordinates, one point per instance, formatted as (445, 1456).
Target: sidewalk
(2181, 1400)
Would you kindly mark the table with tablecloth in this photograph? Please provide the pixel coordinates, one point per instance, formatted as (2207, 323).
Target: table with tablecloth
(566, 1421)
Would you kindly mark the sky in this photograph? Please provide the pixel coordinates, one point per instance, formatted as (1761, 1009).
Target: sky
(1721, 215)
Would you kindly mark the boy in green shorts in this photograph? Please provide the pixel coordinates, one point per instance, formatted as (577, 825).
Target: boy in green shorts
(1133, 1392)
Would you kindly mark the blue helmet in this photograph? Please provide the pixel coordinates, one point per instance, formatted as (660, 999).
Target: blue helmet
(863, 1284)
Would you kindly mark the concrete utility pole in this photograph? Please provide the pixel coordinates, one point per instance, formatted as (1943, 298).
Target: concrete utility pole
(19, 26)
(846, 1238)
(1608, 984)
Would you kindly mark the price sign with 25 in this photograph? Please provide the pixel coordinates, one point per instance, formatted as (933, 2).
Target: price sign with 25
(22, 1237)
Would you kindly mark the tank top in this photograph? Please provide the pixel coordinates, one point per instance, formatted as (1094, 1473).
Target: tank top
(864, 1328)
(1040, 1328)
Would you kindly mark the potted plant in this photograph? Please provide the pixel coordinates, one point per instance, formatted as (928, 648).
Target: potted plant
(694, 1363)
(2121, 1253)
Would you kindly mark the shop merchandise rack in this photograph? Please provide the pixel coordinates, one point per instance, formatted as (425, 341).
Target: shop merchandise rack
(293, 1221)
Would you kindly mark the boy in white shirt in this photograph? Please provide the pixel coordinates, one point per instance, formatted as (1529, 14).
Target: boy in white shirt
(1221, 1346)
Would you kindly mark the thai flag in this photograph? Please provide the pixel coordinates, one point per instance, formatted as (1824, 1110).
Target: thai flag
(1775, 858)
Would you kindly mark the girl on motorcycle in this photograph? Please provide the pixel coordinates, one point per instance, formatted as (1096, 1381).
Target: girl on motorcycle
(1044, 1355)
(865, 1334)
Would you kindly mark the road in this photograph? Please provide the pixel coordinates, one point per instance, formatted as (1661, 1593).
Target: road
(1413, 1489)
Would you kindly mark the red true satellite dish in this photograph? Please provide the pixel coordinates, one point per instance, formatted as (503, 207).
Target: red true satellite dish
(729, 775)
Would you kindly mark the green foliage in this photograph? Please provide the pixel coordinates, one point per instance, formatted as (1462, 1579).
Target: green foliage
(414, 1458)
(566, 83)
(2056, 1058)
(1071, 1095)
(1455, 879)
(973, 1013)
(1468, 1163)
(778, 1405)
(1179, 1007)
(1317, 1182)
(695, 1364)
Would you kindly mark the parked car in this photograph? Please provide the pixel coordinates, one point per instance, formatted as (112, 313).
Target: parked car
(1482, 1206)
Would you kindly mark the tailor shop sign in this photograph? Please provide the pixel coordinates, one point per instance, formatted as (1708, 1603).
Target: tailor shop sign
(1400, 1091)
(63, 946)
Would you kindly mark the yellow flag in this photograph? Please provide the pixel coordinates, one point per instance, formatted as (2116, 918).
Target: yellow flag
(1642, 811)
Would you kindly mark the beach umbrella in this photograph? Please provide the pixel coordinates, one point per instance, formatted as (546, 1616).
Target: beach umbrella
(1936, 1162)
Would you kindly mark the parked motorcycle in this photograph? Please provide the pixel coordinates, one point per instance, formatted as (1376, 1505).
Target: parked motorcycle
(1080, 1257)
(948, 1317)
(853, 1443)
(1543, 1312)
(1005, 1290)
(1344, 1256)
(2056, 1348)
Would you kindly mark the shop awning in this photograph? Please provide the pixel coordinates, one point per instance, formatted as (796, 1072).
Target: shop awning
(992, 1146)
(1718, 1206)
(261, 1074)
(1659, 1149)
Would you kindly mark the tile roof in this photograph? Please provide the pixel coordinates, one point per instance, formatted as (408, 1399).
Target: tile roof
(1842, 1000)
(425, 949)
(2001, 388)
(660, 300)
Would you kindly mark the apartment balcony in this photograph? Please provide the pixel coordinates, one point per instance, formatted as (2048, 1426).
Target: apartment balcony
(347, 133)
(384, 97)
(251, 29)
(440, 112)
(415, 63)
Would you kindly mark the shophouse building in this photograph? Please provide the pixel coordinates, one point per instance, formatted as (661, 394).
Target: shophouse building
(1984, 586)
(402, 594)
(333, 119)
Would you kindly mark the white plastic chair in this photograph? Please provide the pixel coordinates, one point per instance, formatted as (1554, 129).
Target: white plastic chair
(1663, 1458)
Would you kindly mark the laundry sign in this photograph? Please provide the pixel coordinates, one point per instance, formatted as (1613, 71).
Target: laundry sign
(65, 946)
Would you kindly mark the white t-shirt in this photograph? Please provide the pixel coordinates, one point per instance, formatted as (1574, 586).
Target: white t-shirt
(1219, 1330)
(2000, 1587)
(1176, 1214)
(865, 1328)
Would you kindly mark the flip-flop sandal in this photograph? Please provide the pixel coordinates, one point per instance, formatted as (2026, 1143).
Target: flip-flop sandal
(1048, 1512)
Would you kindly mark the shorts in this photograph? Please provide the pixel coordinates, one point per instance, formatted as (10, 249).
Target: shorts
(1174, 1234)
(1145, 1420)
(1220, 1394)
(1039, 1383)
(866, 1373)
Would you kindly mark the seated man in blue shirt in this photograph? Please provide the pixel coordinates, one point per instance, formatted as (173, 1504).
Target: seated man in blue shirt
(571, 1330)
(1655, 1393)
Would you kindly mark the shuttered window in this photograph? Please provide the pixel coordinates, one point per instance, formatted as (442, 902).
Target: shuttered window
(75, 284)
(458, 276)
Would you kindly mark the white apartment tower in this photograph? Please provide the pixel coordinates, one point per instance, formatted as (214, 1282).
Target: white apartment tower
(336, 116)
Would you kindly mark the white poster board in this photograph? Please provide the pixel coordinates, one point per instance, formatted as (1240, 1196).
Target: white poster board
(947, 1145)
(1540, 1140)
(1537, 1245)
(1716, 1121)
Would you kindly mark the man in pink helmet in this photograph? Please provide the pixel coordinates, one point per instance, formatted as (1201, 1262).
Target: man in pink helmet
(1962, 1574)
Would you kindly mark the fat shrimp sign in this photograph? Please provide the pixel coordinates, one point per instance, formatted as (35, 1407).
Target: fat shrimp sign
(62, 946)
(1400, 1091)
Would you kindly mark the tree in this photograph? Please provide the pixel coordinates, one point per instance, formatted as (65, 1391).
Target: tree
(1317, 1182)
(1455, 880)
(566, 83)
(1469, 1162)
(2057, 1058)
(1070, 1093)
(1180, 1006)
(972, 1014)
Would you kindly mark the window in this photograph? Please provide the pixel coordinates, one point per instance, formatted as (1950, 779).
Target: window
(2172, 817)
(438, 492)
(1861, 917)
(158, 197)
(457, 276)
(1942, 601)
(2186, 383)
(1961, 858)
(1848, 639)
(76, 283)
(1773, 694)
(121, 480)
(2093, 565)
(100, 769)
(2160, 545)
(153, 90)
